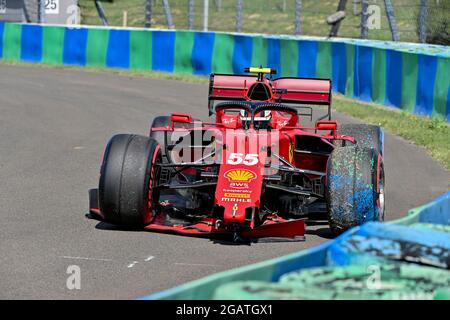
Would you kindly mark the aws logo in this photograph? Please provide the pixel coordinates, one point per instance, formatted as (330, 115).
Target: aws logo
(239, 185)
(241, 175)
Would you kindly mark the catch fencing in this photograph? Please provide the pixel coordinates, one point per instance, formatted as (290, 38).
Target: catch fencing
(425, 21)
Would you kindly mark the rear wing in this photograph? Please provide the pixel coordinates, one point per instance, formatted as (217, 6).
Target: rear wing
(300, 91)
(303, 90)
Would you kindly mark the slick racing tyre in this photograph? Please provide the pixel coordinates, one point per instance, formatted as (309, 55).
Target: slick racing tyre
(161, 136)
(355, 188)
(127, 175)
(366, 135)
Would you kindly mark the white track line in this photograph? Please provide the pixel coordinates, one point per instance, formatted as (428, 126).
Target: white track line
(196, 264)
(131, 265)
(84, 258)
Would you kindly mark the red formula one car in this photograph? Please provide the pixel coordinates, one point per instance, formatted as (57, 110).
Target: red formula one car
(253, 172)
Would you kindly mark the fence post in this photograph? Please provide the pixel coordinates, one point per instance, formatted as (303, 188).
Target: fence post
(335, 28)
(125, 19)
(355, 7)
(238, 15)
(218, 4)
(41, 11)
(26, 14)
(101, 13)
(205, 14)
(168, 14)
(364, 16)
(423, 16)
(148, 13)
(191, 13)
(298, 16)
(391, 18)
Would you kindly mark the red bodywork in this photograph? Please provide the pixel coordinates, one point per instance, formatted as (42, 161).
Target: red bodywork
(240, 178)
(315, 91)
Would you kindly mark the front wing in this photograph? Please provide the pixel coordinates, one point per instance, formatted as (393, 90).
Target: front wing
(273, 228)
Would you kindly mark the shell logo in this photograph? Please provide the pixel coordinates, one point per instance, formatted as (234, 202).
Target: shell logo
(240, 175)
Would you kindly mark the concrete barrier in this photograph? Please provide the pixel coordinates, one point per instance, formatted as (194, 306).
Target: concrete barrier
(412, 77)
(380, 242)
(399, 282)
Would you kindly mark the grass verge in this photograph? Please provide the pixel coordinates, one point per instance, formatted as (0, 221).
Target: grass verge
(431, 133)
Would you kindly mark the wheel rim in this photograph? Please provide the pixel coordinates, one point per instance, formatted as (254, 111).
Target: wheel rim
(152, 197)
(381, 196)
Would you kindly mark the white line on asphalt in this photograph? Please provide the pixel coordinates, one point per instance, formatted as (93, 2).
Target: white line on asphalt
(84, 258)
(131, 265)
(149, 258)
(196, 264)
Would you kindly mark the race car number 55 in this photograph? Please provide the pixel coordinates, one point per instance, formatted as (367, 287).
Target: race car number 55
(238, 158)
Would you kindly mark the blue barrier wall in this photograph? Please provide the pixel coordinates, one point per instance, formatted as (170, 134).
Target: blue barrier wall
(422, 237)
(414, 78)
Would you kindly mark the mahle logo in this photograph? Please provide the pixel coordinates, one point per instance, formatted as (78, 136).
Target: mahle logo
(240, 175)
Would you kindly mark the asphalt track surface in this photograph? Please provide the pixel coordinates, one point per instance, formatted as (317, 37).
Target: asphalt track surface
(53, 126)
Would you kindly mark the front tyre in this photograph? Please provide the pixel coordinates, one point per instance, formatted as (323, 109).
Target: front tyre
(161, 136)
(355, 188)
(366, 135)
(128, 173)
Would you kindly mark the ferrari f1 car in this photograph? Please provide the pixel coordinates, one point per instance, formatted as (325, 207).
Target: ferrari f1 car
(254, 171)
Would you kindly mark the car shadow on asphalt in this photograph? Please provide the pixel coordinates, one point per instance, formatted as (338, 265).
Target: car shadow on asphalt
(106, 226)
(313, 228)
(322, 233)
(102, 225)
(227, 240)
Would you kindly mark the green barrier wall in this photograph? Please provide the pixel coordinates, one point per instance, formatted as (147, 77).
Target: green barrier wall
(425, 230)
(415, 78)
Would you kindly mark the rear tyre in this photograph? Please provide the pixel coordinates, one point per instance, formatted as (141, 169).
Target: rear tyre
(353, 193)
(366, 135)
(160, 136)
(163, 136)
(127, 175)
